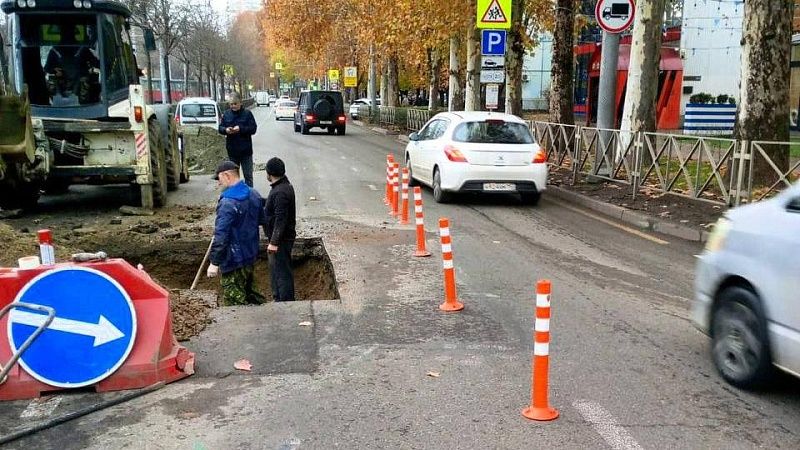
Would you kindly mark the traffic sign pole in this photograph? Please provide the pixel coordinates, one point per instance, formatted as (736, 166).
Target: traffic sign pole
(606, 96)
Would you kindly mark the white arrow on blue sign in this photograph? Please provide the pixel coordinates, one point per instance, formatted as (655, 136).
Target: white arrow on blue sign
(91, 336)
(493, 42)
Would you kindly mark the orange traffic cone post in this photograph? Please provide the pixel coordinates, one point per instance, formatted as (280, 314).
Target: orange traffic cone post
(404, 198)
(421, 252)
(396, 191)
(540, 408)
(451, 303)
(389, 167)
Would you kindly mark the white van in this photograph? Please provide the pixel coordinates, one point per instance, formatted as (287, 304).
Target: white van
(262, 98)
(197, 111)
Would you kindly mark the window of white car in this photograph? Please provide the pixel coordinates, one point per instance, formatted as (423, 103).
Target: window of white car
(434, 130)
(285, 104)
(493, 132)
(198, 110)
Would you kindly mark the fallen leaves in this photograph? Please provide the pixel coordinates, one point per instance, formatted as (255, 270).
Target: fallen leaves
(243, 365)
(434, 374)
(306, 324)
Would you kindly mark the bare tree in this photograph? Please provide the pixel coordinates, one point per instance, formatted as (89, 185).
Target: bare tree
(561, 86)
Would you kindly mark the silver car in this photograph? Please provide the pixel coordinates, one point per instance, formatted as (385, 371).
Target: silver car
(747, 290)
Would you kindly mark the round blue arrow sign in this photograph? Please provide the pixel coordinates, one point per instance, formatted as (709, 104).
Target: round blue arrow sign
(91, 335)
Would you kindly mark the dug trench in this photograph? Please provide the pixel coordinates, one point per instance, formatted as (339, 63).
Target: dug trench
(174, 264)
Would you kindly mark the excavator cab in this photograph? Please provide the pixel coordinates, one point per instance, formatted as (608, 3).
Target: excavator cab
(75, 57)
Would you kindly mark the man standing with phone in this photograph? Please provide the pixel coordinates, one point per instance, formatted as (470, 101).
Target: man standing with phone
(238, 125)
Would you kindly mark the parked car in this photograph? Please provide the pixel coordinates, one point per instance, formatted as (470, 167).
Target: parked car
(477, 152)
(197, 111)
(285, 109)
(262, 98)
(272, 99)
(746, 287)
(320, 109)
(354, 107)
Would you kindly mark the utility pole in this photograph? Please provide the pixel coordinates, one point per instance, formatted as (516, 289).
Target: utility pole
(372, 75)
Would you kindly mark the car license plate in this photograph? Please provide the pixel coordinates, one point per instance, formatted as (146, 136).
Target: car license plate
(325, 122)
(499, 187)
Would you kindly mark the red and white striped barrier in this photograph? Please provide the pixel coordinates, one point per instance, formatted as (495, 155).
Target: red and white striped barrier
(540, 408)
(404, 198)
(421, 252)
(389, 168)
(451, 303)
(46, 249)
(396, 191)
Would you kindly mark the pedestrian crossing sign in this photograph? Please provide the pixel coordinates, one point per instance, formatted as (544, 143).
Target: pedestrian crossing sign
(495, 14)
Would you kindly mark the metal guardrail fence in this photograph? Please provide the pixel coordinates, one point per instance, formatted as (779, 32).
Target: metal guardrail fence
(417, 118)
(717, 170)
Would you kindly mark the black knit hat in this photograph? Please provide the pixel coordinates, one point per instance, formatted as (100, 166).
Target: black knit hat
(276, 168)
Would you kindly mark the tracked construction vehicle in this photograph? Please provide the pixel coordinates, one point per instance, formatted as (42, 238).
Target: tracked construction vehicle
(71, 107)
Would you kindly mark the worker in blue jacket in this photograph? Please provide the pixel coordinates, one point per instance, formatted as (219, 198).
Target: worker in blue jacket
(238, 125)
(234, 250)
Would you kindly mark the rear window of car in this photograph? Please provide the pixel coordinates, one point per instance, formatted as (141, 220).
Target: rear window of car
(198, 110)
(285, 104)
(493, 132)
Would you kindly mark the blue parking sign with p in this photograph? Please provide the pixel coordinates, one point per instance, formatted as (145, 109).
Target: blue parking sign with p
(493, 42)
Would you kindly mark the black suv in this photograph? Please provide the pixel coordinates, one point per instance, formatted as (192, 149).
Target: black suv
(320, 109)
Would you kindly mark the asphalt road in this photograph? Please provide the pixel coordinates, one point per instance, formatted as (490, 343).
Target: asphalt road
(628, 370)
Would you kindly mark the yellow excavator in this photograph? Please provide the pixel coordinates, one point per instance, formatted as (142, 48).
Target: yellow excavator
(72, 110)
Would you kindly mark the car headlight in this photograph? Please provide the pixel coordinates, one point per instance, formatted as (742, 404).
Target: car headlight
(716, 241)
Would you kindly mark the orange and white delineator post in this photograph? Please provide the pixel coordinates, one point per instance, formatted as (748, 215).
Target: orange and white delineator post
(404, 198)
(421, 252)
(540, 408)
(396, 191)
(451, 303)
(389, 167)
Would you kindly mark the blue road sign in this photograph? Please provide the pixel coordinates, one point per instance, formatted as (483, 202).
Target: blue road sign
(91, 335)
(493, 42)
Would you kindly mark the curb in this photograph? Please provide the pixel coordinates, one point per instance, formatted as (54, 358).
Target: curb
(382, 131)
(630, 217)
(403, 138)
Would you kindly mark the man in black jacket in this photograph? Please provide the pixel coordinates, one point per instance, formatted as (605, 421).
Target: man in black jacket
(239, 126)
(280, 230)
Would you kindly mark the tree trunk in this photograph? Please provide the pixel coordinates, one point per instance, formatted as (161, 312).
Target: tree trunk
(516, 53)
(200, 88)
(149, 59)
(372, 82)
(456, 95)
(434, 64)
(167, 70)
(561, 84)
(185, 79)
(384, 82)
(472, 100)
(393, 86)
(763, 107)
(162, 74)
(641, 94)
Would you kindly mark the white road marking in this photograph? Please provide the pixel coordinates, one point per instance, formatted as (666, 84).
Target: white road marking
(606, 426)
(616, 225)
(343, 157)
(41, 407)
(354, 169)
(372, 187)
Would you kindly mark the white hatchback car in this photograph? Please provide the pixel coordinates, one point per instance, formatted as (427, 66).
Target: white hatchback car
(197, 111)
(285, 109)
(477, 152)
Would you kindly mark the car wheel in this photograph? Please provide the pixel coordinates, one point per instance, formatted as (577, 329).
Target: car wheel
(411, 181)
(303, 128)
(438, 194)
(531, 198)
(739, 345)
(342, 131)
(296, 127)
(331, 130)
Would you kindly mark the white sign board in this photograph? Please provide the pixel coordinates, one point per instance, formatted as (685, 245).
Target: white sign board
(493, 76)
(614, 16)
(492, 96)
(493, 62)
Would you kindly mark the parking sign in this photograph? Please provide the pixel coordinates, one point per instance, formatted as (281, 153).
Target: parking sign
(493, 42)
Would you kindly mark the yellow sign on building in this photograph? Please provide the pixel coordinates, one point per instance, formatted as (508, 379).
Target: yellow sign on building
(494, 14)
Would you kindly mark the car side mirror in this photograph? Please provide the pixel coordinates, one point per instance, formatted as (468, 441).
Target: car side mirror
(794, 205)
(414, 137)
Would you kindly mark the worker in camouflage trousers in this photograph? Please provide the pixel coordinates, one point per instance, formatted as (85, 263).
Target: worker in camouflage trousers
(234, 250)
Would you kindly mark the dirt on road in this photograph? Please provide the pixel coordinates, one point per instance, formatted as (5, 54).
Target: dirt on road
(205, 148)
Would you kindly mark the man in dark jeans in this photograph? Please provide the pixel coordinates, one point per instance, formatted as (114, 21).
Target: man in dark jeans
(280, 230)
(239, 126)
